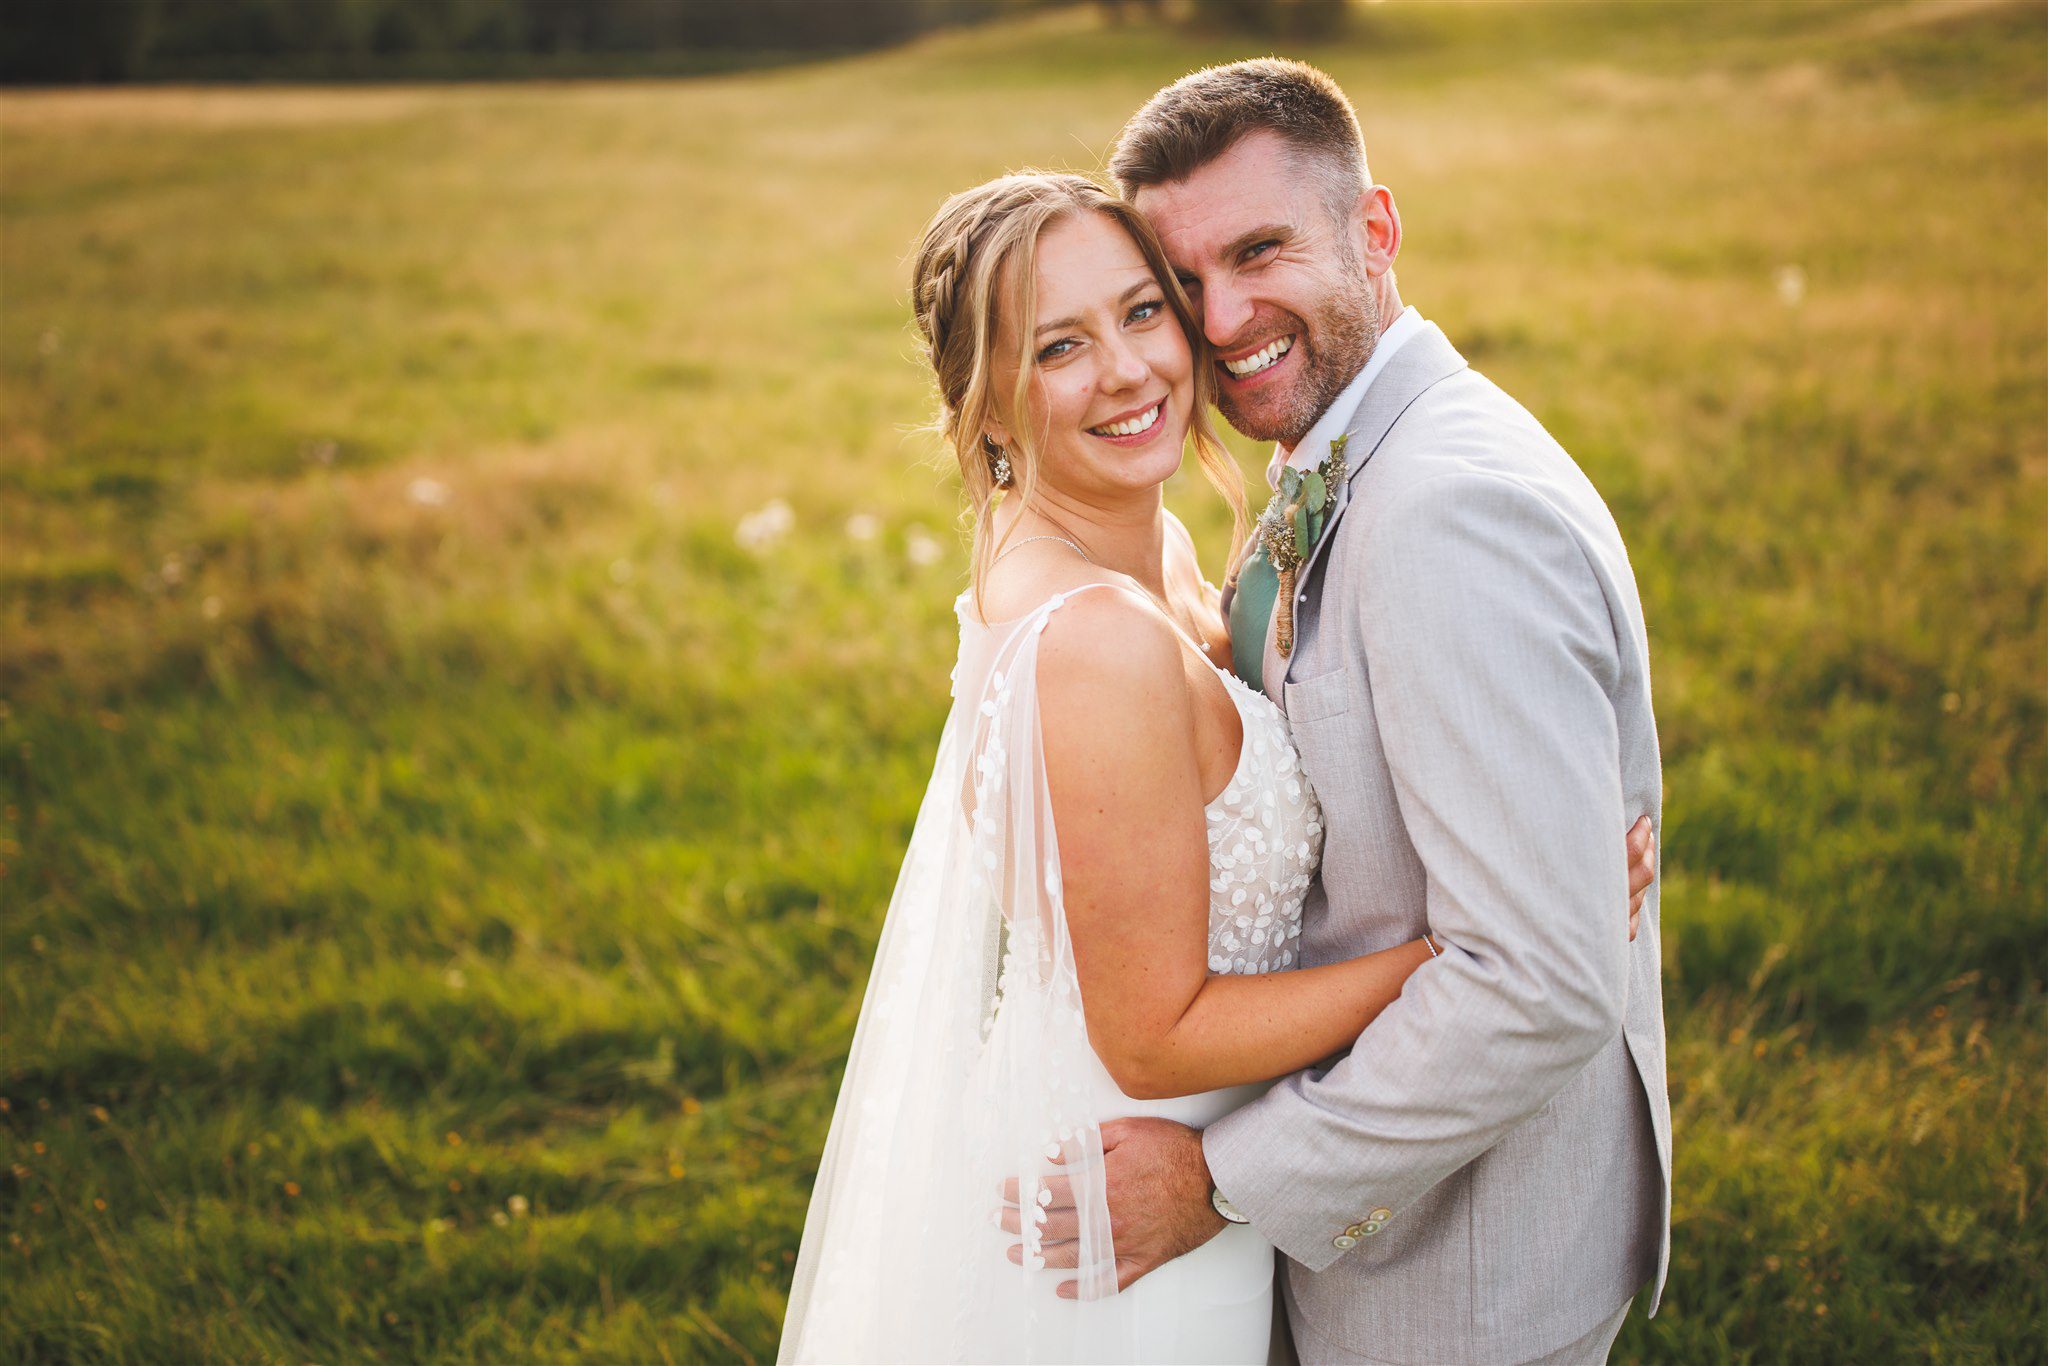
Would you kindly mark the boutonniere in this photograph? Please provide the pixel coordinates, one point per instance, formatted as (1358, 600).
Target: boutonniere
(1288, 529)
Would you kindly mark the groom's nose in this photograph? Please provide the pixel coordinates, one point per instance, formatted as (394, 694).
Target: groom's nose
(1226, 311)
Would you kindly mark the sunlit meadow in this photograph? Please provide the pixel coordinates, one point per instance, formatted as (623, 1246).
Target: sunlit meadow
(475, 611)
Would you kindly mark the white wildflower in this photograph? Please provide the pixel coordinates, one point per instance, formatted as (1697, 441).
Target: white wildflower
(921, 548)
(764, 526)
(1791, 281)
(863, 526)
(428, 493)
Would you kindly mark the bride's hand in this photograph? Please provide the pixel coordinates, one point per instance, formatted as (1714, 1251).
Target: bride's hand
(1642, 869)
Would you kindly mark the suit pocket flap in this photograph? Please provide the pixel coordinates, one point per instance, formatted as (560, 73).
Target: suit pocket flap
(1326, 695)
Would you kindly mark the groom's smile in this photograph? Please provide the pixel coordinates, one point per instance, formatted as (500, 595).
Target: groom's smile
(1253, 364)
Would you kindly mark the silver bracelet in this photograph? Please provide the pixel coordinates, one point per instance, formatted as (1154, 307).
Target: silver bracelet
(1430, 944)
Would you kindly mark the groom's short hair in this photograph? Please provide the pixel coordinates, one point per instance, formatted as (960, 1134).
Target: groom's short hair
(1200, 116)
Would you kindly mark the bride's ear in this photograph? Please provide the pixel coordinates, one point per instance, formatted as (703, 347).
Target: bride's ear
(994, 436)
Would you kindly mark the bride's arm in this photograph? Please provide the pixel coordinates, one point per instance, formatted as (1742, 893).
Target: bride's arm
(1117, 724)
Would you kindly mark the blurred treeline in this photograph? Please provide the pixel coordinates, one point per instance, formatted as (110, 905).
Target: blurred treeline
(65, 41)
(113, 40)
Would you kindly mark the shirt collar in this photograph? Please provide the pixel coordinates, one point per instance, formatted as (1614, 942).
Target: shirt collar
(1337, 417)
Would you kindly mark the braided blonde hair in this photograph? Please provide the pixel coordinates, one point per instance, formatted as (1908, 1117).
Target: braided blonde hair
(958, 291)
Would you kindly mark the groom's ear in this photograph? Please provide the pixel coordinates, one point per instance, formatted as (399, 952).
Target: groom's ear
(1376, 228)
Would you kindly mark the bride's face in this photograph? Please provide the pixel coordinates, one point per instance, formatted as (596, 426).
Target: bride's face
(1111, 377)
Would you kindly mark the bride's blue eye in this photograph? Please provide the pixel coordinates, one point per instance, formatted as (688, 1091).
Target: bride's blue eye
(1148, 310)
(1053, 352)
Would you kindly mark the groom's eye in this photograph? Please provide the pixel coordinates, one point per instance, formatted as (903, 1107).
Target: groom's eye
(1258, 249)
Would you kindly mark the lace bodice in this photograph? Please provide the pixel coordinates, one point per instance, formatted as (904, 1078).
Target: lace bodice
(1265, 839)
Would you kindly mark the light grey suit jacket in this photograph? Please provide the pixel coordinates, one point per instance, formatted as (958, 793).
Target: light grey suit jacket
(1486, 1175)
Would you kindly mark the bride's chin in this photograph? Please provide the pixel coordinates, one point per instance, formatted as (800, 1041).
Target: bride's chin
(1155, 472)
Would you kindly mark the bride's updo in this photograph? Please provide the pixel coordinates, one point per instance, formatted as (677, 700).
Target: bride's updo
(963, 280)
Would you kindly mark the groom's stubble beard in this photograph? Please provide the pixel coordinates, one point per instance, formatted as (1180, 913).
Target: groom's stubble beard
(1337, 340)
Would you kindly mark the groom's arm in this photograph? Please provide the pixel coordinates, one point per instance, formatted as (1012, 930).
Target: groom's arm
(1492, 659)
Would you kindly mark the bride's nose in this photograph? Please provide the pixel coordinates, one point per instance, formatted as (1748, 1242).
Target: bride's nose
(1126, 368)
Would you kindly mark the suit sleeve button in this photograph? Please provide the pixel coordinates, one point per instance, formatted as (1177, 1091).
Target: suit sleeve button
(1343, 1242)
(1371, 1226)
(1380, 1215)
(1354, 1230)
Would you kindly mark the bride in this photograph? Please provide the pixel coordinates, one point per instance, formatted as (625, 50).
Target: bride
(1113, 819)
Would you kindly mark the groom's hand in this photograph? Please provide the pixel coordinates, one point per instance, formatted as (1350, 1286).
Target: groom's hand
(1158, 1202)
(1159, 1186)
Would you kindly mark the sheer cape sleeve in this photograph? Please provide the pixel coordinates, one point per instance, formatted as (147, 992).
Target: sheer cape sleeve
(970, 1065)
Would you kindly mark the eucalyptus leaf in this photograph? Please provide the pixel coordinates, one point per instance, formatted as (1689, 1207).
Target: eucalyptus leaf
(1302, 543)
(1318, 492)
(1290, 483)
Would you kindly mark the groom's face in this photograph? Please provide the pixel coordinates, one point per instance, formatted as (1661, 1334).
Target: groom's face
(1280, 278)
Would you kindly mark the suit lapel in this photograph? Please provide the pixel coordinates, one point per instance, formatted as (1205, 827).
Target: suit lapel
(1427, 358)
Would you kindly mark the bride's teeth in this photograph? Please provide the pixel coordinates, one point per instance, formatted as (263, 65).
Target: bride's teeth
(1260, 359)
(1142, 422)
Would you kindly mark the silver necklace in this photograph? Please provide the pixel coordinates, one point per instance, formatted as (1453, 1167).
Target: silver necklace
(1061, 539)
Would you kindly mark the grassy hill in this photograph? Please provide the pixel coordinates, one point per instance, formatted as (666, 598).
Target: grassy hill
(439, 862)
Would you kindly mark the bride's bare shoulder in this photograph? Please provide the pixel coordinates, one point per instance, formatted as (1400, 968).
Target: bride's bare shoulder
(1110, 651)
(1105, 643)
(1023, 579)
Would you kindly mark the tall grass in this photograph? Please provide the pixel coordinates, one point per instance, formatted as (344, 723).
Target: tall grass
(440, 864)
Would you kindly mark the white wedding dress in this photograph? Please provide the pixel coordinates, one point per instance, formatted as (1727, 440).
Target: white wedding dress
(971, 1062)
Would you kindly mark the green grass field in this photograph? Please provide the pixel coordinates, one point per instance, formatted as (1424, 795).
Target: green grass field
(441, 863)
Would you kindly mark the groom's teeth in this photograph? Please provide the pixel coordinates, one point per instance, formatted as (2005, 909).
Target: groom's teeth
(1131, 427)
(1259, 360)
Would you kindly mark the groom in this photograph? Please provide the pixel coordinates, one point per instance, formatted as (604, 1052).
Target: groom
(1485, 1176)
